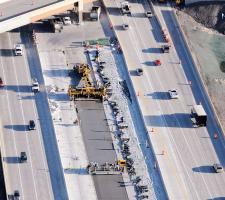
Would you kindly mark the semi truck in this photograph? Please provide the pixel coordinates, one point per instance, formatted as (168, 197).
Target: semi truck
(198, 116)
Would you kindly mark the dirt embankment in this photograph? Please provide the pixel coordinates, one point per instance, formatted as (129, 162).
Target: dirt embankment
(211, 15)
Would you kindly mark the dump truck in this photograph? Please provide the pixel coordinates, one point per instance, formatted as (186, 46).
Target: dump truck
(95, 13)
(198, 116)
(56, 25)
(125, 7)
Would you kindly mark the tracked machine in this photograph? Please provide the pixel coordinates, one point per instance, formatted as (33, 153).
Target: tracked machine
(89, 90)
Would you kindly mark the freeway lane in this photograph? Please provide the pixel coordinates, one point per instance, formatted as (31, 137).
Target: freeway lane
(189, 152)
(17, 108)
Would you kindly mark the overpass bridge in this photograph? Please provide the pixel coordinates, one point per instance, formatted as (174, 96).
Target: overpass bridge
(14, 14)
(188, 2)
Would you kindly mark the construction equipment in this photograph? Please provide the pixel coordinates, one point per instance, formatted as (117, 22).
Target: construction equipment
(105, 169)
(88, 90)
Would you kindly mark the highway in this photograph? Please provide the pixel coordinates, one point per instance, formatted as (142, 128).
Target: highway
(185, 154)
(41, 176)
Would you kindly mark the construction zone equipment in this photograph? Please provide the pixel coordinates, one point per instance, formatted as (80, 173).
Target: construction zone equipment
(122, 163)
(106, 168)
(88, 90)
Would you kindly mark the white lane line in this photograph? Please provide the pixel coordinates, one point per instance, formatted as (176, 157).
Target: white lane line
(11, 121)
(139, 56)
(200, 88)
(29, 42)
(23, 118)
(161, 85)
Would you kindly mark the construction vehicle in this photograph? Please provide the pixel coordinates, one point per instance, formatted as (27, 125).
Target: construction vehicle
(95, 13)
(56, 25)
(198, 116)
(106, 168)
(125, 7)
(88, 90)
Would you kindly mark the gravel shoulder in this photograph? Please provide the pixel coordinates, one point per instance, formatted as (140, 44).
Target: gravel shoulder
(208, 48)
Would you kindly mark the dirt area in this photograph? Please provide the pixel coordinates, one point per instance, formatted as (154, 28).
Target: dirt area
(210, 15)
(208, 48)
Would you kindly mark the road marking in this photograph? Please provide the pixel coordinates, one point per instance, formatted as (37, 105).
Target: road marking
(38, 130)
(11, 121)
(23, 118)
(139, 56)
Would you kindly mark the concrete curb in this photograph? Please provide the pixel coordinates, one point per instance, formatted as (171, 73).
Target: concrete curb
(136, 100)
(212, 107)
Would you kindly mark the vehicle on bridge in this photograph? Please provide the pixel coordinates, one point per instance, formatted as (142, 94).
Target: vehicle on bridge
(23, 157)
(18, 49)
(125, 8)
(198, 116)
(218, 168)
(1, 82)
(16, 195)
(35, 86)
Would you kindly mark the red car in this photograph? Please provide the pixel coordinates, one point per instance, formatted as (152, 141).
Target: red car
(157, 62)
(1, 82)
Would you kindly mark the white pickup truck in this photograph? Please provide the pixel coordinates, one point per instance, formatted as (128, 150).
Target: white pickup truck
(35, 86)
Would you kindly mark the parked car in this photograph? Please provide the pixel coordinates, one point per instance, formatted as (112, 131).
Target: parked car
(31, 125)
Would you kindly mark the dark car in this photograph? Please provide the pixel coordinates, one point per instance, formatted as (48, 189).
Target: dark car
(31, 125)
(16, 195)
(23, 157)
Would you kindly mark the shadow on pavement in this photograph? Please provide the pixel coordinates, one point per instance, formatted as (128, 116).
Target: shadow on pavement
(19, 127)
(6, 52)
(28, 97)
(169, 120)
(113, 10)
(19, 88)
(149, 63)
(81, 171)
(203, 169)
(57, 72)
(159, 95)
(133, 72)
(152, 50)
(11, 159)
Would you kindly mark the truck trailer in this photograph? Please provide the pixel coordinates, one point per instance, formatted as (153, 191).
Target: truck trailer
(198, 116)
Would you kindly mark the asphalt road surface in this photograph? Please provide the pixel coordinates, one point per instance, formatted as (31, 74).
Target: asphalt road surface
(185, 154)
(98, 143)
(41, 176)
(12, 8)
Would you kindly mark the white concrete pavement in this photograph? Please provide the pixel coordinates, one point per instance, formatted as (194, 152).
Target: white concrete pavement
(18, 107)
(185, 155)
